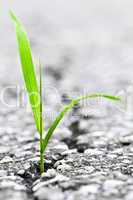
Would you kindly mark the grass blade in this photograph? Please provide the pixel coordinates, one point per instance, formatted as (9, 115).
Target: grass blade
(67, 108)
(28, 69)
(96, 95)
(41, 122)
(40, 92)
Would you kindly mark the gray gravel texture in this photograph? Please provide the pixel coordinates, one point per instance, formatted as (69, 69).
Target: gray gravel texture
(84, 46)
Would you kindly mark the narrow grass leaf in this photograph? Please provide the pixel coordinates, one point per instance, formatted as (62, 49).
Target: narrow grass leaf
(67, 108)
(41, 122)
(28, 69)
(96, 95)
(40, 92)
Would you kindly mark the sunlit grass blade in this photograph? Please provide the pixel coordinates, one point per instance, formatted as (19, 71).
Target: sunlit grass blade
(41, 122)
(40, 93)
(28, 69)
(96, 95)
(69, 107)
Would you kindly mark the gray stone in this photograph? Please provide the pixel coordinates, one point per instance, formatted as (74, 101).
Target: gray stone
(112, 184)
(111, 156)
(89, 169)
(59, 162)
(118, 151)
(92, 152)
(61, 147)
(6, 159)
(126, 139)
(51, 173)
(93, 189)
(63, 168)
(27, 166)
(70, 151)
(126, 161)
(45, 193)
(21, 172)
(35, 159)
(3, 173)
(57, 179)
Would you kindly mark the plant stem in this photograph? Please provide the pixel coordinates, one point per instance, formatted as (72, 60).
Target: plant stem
(41, 155)
(41, 128)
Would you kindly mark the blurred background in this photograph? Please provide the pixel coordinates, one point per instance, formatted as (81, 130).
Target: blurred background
(82, 44)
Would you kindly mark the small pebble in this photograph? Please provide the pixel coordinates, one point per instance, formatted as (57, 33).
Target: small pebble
(63, 168)
(59, 162)
(93, 152)
(6, 159)
(21, 172)
(70, 151)
(27, 166)
(63, 147)
(51, 173)
(90, 169)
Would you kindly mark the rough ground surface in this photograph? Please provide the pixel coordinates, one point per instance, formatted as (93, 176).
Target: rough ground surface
(87, 47)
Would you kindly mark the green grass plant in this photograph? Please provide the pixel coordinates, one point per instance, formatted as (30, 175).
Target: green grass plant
(34, 90)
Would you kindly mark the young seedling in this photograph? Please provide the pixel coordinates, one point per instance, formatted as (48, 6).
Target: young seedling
(35, 91)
